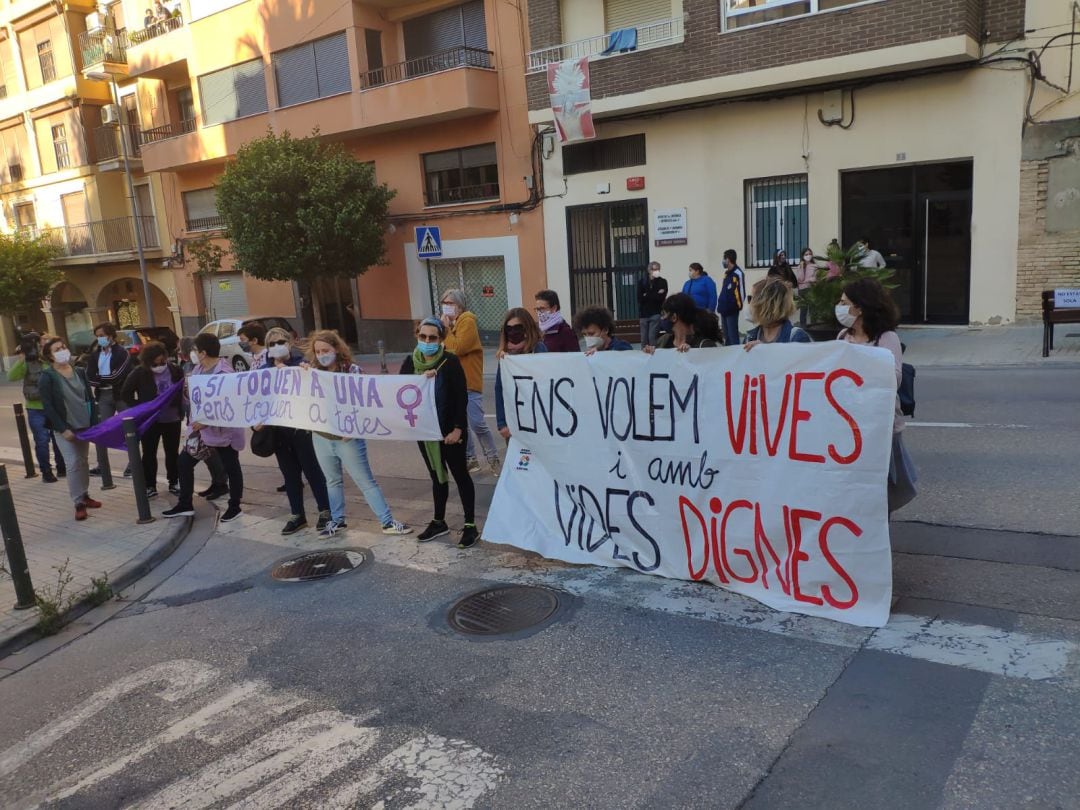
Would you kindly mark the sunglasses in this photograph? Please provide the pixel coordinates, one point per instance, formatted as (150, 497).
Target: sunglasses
(278, 343)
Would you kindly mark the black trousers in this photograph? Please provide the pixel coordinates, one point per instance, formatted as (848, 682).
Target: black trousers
(168, 434)
(453, 459)
(295, 457)
(230, 460)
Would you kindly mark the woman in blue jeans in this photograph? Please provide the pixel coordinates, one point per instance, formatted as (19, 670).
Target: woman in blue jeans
(328, 352)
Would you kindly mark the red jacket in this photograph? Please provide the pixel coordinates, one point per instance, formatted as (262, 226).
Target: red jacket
(562, 339)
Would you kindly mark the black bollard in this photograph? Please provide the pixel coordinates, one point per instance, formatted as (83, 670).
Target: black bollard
(103, 466)
(24, 440)
(138, 482)
(382, 357)
(13, 546)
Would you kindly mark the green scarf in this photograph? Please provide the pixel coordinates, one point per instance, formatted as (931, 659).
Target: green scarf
(433, 450)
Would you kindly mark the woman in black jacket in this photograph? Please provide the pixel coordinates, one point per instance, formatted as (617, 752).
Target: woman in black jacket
(151, 378)
(431, 359)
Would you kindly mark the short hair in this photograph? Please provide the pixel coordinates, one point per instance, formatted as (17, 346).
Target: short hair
(773, 303)
(595, 316)
(46, 350)
(879, 312)
(107, 328)
(431, 322)
(457, 296)
(151, 352)
(278, 333)
(550, 296)
(253, 331)
(697, 266)
(682, 306)
(205, 342)
(654, 265)
(731, 256)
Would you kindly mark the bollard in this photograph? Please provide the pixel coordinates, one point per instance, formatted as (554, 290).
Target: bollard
(138, 482)
(13, 546)
(103, 466)
(382, 357)
(24, 440)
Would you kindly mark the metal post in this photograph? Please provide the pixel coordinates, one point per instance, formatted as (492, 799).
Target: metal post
(103, 466)
(13, 546)
(382, 357)
(138, 482)
(24, 440)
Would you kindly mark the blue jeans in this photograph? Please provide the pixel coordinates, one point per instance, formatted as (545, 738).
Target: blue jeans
(336, 455)
(478, 425)
(35, 417)
(730, 325)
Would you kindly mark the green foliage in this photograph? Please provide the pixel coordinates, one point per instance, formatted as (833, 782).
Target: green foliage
(208, 256)
(52, 604)
(26, 272)
(823, 295)
(297, 208)
(100, 590)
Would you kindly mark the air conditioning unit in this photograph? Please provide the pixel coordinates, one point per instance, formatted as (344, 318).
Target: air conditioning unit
(110, 115)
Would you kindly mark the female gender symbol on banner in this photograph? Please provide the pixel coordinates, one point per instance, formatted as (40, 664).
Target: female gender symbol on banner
(410, 407)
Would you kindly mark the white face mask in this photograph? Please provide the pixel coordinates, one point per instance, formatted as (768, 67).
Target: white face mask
(61, 356)
(844, 316)
(654, 273)
(594, 341)
(194, 357)
(449, 309)
(160, 369)
(326, 360)
(278, 352)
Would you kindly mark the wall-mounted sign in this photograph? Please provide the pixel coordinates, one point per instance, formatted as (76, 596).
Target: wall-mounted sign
(488, 291)
(224, 286)
(1066, 299)
(669, 226)
(635, 183)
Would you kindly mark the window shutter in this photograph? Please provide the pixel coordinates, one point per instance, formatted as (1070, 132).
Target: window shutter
(200, 204)
(234, 92)
(294, 71)
(472, 15)
(332, 65)
(442, 161)
(620, 14)
(434, 33)
(473, 156)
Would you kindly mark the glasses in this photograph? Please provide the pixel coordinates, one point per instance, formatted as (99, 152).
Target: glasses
(428, 338)
(278, 343)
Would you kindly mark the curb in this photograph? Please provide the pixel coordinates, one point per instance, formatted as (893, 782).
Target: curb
(119, 579)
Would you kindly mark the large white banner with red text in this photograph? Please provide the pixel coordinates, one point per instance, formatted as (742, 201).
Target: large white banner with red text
(763, 472)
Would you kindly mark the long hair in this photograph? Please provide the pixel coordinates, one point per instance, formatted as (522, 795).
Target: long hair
(344, 356)
(532, 330)
(151, 352)
(879, 312)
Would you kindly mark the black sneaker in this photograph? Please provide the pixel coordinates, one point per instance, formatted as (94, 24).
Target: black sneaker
(281, 488)
(214, 493)
(470, 536)
(151, 492)
(295, 524)
(95, 471)
(437, 528)
(174, 488)
(48, 478)
(324, 518)
(127, 472)
(61, 472)
(178, 511)
(231, 514)
(332, 527)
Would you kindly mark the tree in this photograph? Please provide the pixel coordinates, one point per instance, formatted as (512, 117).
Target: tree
(823, 295)
(296, 209)
(27, 274)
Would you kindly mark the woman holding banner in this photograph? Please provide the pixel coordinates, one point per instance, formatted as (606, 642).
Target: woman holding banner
(519, 335)
(771, 309)
(328, 352)
(691, 326)
(869, 317)
(151, 378)
(431, 359)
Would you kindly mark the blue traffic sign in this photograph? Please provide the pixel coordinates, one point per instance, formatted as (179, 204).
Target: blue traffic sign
(428, 242)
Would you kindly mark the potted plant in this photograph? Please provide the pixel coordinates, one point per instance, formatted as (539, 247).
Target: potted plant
(820, 298)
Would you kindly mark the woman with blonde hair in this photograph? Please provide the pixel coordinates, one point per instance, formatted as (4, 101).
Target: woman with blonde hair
(326, 351)
(771, 309)
(520, 334)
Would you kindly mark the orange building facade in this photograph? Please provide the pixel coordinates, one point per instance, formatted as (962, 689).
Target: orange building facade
(432, 93)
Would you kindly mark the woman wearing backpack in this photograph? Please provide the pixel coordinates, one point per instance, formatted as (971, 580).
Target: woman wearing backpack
(869, 317)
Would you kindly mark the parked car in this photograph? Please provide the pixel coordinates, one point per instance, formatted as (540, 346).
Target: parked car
(131, 338)
(226, 330)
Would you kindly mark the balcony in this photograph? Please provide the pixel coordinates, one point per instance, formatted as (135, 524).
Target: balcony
(214, 223)
(100, 238)
(426, 65)
(104, 50)
(653, 35)
(167, 131)
(107, 143)
(155, 29)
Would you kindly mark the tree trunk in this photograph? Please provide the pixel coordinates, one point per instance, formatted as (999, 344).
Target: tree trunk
(316, 304)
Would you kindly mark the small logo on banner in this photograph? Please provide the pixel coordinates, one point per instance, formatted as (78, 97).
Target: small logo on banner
(523, 460)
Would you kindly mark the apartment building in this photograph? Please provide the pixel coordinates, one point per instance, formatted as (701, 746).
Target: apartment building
(62, 177)
(432, 93)
(762, 125)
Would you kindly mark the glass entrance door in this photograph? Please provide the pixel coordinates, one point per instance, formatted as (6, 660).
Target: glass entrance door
(946, 259)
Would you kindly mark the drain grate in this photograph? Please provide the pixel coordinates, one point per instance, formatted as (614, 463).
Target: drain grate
(503, 610)
(318, 565)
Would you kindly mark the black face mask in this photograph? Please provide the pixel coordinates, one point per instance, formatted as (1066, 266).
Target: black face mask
(514, 334)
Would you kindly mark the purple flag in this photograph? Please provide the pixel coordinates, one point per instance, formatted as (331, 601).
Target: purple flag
(111, 432)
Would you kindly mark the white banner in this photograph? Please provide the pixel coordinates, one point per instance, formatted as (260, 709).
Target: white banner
(357, 406)
(763, 472)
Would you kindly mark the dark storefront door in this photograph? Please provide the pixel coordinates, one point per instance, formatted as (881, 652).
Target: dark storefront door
(609, 253)
(919, 219)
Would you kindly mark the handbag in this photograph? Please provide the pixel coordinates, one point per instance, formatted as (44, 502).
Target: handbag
(195, 447)
(262, 442)
(906, 391)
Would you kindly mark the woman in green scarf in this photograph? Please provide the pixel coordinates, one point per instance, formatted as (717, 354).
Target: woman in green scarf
(431, 359)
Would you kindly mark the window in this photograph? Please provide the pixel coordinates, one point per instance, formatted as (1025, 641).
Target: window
(185, 105)
(741, 13)
(373, 45)
(60, 146)
(25, 218)
(313, 70)
(607, 153)
(776, 218)
(458, 28)
(619, 14)
(235, 92)
(200, 210)
(461, 175)
(45, 60)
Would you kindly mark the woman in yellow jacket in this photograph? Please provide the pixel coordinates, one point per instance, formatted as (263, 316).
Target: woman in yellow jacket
(463, 339)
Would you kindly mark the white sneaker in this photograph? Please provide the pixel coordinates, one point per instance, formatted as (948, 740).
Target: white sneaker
(332, 527)
(495, 466)
(396, 527)
(473, 465)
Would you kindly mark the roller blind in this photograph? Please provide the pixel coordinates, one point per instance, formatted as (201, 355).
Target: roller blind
(312, 70)
(234, 92)
(620, 14)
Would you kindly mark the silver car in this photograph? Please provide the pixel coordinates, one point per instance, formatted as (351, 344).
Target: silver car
(227, 332)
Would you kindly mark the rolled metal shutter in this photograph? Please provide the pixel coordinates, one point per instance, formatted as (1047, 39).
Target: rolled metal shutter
(472, 19)
(234, 92)
(332, 65)
(294, 72)
(434, 33)
(620, 14)
(225, 296)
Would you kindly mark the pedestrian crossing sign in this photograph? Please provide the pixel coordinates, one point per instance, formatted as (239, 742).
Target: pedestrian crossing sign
(428, 242)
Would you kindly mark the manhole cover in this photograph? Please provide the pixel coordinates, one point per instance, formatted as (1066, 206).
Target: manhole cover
(506, 609)
(318, 565)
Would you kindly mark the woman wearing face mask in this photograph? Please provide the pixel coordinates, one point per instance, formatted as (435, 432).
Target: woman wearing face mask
(869, 317)
(431, 359)
(691, 326)
(68, 405)
(328, 352)
(520, 335)
(701, 288)
(294, 449)
(151, 378)
(558, 336)
(597, 327)
(805, 276)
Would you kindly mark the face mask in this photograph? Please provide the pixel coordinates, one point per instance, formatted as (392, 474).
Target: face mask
(808, 258)
(194, 357)
(278, 352)
(245, 346)
(449, 309)
(326, 360)
(514, 334)
(103, 342)
(843, 314)
(544, 316)
(654, 273)
(594, 341)
(61, 356)
(427, 348)
(160, 369)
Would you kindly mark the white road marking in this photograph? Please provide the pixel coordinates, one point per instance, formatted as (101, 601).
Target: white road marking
(965, 425)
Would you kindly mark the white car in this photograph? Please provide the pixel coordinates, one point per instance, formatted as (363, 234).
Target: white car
(226, 330)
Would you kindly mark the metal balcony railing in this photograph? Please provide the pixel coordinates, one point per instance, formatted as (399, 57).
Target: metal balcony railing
(166, 131)
(460, 194)
(425, 65)
(107, 142)
(100, 237)
(215, 223)
(156, 29)
(103, 45)
(651, 35)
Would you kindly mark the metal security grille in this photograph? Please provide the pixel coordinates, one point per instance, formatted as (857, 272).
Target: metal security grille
(609, 253)
(484, 283)
(777, 218)
(225, 296)
(604, 154)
